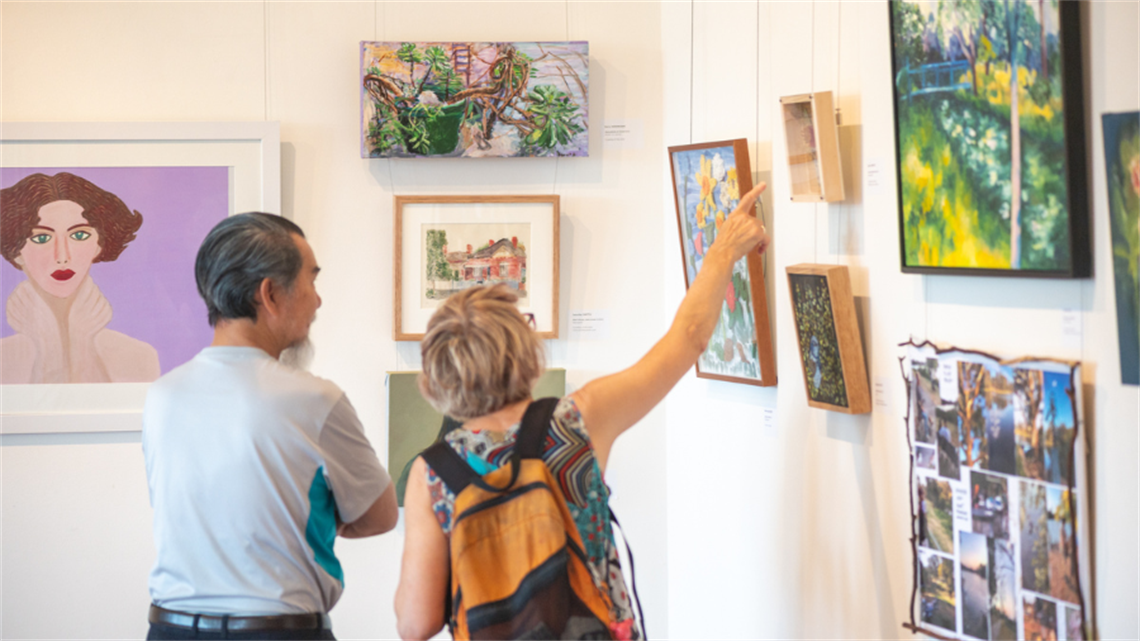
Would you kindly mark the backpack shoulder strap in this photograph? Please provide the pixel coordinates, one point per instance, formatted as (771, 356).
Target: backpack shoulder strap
(535, 424)
(449, 466)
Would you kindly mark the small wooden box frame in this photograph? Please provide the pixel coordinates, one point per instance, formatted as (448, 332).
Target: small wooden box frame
(813, 147)
(721, 164)
(493, 239)
(827, 332)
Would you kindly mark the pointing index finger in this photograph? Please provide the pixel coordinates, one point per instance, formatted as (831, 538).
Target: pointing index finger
(748, 201)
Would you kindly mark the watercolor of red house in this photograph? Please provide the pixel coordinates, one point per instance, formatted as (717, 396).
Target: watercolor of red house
(502, 261)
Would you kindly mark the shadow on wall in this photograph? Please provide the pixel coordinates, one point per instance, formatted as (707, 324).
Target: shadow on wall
(846, 217)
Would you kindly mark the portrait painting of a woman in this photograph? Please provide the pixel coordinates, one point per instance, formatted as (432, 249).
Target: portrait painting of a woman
(53, 228)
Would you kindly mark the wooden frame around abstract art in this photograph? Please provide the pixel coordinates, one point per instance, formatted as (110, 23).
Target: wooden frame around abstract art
(540, 212)
(812, 147)
(848, 342)
(758, 288)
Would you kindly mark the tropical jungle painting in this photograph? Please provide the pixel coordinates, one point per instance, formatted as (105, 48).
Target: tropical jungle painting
(819, 346)
(708, 189)
(474, 99)
(983, 153)
(1122, 161)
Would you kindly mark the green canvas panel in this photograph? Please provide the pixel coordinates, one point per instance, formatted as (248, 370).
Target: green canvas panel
(413, 423)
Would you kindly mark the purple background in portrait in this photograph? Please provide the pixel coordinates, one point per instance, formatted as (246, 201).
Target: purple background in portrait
(151, 285)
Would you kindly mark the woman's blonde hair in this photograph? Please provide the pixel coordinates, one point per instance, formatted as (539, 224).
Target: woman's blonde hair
(479, 354)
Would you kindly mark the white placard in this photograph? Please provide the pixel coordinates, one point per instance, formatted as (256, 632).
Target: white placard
(961, 507)
(874, 177)
(882, 392)
(1071, 329)
(623, 134)
(590, 324)
(769, 418)
(948, 380)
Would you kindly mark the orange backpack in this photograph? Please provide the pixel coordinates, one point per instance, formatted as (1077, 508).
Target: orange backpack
(518, 566)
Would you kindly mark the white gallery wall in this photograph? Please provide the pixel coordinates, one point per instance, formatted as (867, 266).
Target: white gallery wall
(796, 527)
(803, 526)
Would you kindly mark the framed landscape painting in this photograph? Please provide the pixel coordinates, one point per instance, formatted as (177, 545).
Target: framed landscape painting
(474, 99)
(446, 244)
(989, 135)
(708, 179)
(827, 330)
(1122, 163)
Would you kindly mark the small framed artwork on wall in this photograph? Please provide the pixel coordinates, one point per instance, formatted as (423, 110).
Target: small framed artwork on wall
(708, 179)
(813, 147)
(474, 99)
(445, 244)
(827, 330)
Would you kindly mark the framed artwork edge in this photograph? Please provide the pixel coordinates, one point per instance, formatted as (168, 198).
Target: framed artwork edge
(398, 202)
(1076, 165)
(120, 408)
(850, 342)
(760, 317)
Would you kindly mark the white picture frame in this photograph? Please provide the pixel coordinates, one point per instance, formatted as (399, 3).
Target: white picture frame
(537, 215)
(252, 151)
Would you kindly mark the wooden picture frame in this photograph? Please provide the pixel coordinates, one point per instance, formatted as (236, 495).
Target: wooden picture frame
(827, 332)
(708, 180)
(508, 239)
(814, 167)
(251, 151)
(961, 209)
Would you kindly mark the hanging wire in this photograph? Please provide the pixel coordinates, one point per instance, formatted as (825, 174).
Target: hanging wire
(692, 63)
(815, 207)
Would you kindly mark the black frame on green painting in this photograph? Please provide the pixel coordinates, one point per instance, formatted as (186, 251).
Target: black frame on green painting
(1075, 173)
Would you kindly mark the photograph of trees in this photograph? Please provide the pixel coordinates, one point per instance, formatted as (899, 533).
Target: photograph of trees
(982, 149)
(937, 580)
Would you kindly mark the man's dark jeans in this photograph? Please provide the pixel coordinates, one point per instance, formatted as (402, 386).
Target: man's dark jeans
(159, 631)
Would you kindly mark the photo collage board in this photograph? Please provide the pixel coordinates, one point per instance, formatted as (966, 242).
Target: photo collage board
(999, 516)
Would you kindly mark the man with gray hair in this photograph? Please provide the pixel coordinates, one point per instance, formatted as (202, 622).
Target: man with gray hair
(254, 467)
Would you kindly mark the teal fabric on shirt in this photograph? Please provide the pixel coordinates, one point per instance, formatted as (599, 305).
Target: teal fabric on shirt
(320, 531)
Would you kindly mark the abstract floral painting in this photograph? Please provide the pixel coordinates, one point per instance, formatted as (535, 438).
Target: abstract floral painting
(708, 180)
(474, 99)
(990, 144)
(1122, 162)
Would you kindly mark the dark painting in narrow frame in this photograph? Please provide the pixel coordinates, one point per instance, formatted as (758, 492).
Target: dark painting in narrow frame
(708, 181)
(985, 188)
(1122, 169)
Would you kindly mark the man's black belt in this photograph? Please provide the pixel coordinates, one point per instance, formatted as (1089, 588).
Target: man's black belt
(227, 623)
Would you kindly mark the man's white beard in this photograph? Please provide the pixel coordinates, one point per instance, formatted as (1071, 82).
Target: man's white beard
(299, 355)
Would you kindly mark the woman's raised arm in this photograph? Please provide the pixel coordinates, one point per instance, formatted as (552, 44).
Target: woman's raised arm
(612, 404)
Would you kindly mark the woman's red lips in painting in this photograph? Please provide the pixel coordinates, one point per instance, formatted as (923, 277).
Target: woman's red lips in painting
(62, 274)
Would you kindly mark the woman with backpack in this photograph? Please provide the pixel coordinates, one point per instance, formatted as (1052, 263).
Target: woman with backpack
(508, 530)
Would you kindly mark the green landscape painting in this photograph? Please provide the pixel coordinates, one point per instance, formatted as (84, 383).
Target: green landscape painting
(988, 134)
